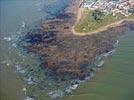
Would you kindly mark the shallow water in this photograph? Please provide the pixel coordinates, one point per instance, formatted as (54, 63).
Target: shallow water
(13, 16)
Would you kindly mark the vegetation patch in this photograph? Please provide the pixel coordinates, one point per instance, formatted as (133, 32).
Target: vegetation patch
(94, 20)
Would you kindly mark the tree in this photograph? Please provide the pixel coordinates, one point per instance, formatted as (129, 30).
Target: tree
(97, 15)
(131, 10)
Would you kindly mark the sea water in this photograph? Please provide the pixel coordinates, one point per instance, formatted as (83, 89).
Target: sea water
(15, 17)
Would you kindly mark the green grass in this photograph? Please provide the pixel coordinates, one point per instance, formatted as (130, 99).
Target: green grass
(115, 80)
(88, 24)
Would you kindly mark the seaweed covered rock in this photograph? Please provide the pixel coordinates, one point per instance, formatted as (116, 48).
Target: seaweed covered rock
(37, 37)
(65, 56)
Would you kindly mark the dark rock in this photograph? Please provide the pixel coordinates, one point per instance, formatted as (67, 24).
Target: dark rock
(64, 15)
(38, 36)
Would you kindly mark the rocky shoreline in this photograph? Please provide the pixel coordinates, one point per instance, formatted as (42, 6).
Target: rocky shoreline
(70, 55)
(65, 56)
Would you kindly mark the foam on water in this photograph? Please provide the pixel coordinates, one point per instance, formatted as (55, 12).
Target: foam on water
(29, 98)
(7, 38)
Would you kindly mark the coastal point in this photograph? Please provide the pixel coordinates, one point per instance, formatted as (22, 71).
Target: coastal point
(69, 45)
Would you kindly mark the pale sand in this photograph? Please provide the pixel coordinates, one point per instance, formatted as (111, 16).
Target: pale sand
(114, 24)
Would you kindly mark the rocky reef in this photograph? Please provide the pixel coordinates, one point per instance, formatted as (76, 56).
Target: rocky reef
(68, 56)
(64, 56)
